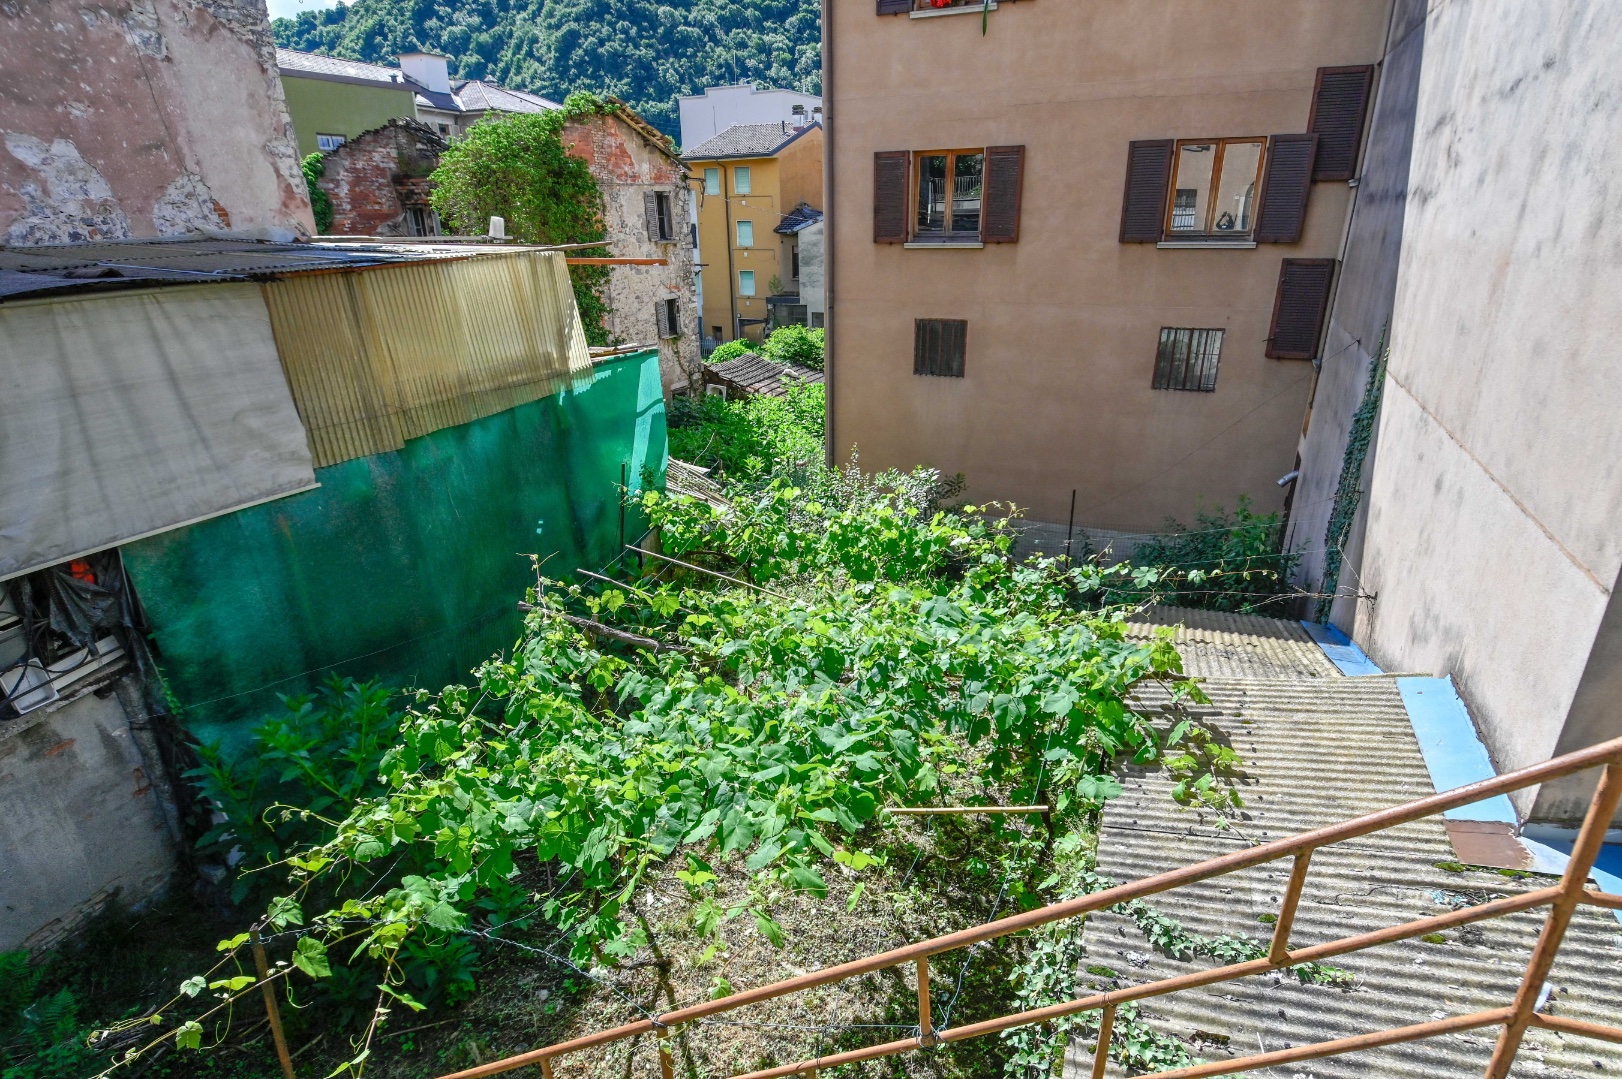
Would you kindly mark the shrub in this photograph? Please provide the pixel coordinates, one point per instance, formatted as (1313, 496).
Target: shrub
(731, 351)
(797, 345)
(320, 203)
(745, 438)
(1224, 563)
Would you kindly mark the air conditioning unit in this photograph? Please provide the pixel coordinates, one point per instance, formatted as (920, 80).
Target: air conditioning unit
(28, 687)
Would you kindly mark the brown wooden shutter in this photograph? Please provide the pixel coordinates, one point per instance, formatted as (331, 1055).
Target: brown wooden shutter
(661, 315)
(1285, 185)
(1005, 183)
(894, 7)
(1340, 104)
(1148, 174)
(650, 210)
(890, 169)
(1299, 308)
(939, 346)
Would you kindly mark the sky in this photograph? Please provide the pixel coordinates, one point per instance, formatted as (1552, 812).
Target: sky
(286, 9)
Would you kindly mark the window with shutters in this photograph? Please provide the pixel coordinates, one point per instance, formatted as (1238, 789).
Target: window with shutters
(746, 234)
(746, 282)
(668, 314)
(712, 181)
(1299, 308)
(665, 215)
(938, 346)
(1213, 188)
(742, 182)
(1187, 359)
(1340, 105)
(946, 204)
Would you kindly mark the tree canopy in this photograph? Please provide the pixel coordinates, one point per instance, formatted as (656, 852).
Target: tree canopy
(646, 52)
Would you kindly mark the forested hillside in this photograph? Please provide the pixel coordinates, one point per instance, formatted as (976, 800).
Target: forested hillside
(647, 52)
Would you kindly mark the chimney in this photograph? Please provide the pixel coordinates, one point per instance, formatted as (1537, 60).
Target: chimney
(816, 114)
(428, 70)
(798, 113)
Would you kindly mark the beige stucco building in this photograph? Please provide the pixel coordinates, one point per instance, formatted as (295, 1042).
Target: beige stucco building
(1032, 327)
(747, 181)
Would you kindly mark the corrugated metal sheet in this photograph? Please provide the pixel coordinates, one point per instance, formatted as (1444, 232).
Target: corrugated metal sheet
(399, 351)
(1220, 644)
(1318, 751)
(752, 374)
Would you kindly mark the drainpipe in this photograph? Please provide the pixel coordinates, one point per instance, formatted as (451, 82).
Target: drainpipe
(830, 440)
(732, 274)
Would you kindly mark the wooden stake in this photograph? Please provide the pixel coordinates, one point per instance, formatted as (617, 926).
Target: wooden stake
(272, 1012)
(1106, 1029)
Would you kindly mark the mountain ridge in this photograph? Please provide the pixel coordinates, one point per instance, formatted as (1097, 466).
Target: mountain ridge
(646, 52)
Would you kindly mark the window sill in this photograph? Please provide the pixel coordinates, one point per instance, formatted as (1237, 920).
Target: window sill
(1206, 245)
(944, 245)
(974, 9)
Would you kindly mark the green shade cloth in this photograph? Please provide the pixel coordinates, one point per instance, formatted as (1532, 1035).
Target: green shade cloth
(402, 566)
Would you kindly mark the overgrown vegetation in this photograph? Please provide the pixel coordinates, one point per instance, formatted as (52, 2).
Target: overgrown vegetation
(643, 52)
(1226, 562)
(747, 437)
(515, 166)
(682, 730)
(320, 201)
(786, 344)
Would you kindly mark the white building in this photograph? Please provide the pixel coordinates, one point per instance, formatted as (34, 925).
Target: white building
(706, 115)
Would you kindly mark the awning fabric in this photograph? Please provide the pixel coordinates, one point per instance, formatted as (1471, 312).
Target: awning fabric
(129, 414)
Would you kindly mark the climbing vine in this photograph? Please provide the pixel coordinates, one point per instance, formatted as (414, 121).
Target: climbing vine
(516, 166)
(1349, 488)
(687, 719)
(320, 201)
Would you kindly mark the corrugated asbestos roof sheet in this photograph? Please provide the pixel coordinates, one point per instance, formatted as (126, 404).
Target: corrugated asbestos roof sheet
(1220, 644)
(752, 373)
(130, 263)
(1316, 751)
(475, 95)
(802, 216)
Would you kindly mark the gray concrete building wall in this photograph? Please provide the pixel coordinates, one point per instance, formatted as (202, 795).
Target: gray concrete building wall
(1492, 545)
(81, 819)
(1360, 318)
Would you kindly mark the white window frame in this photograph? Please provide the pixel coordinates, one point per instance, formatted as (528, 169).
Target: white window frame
(712, 181)
(746, 276)
(742, 240)
(328, 143)
(743, 181)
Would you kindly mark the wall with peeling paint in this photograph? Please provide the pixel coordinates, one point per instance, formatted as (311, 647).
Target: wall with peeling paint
(1492, 549)
(85, 818)
(143, 118)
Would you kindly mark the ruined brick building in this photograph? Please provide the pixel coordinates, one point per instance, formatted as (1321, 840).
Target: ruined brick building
(378, 182)
(138, 118)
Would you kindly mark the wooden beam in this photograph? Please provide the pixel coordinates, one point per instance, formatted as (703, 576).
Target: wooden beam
(617, 262)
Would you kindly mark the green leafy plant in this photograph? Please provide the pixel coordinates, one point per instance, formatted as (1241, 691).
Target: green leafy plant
(796, 345)
(749, 437)
(731, 350)
(515, 166)
(320, 202)
(686, 718)
(1226, 562)
(42, 1038)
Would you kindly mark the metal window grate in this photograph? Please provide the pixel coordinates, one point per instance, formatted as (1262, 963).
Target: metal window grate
(938, 346)
(1187, 359)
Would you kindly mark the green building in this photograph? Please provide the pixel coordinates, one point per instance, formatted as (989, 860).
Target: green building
(331, 101)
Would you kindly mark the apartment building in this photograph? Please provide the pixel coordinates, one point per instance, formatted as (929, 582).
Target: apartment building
(1089, 247)
(755, 186)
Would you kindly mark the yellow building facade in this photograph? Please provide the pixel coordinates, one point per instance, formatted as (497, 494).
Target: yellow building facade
(746, 180)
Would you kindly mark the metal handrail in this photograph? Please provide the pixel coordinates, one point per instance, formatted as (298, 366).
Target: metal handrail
(1562, 899)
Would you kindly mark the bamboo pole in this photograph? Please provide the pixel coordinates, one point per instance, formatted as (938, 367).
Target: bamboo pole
(272, 1012)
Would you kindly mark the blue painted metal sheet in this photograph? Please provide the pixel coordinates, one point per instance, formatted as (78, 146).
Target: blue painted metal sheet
(1341, 649)
(1453, 752)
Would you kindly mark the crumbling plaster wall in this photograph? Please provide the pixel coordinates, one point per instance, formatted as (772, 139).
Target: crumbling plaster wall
(143, 118)
(1492, 547)
(82, 818)
(626, 165)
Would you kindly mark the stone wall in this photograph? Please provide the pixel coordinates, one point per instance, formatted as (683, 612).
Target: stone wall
(372, 178)
(143, 118)
(627, 163)
(84, 817)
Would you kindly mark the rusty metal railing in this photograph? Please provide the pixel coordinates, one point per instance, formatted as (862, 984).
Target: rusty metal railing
(1513, 1019)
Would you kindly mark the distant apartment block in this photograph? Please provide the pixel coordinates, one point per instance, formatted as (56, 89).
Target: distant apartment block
(706, 115)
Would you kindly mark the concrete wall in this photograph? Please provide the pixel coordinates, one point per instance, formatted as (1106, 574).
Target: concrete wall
(812, 278)
(80, 820)
(1360, 319)
(626, 165)
(323, 107)
(1492, 542)
(706, 115)
(1064, 325)
(143, 118)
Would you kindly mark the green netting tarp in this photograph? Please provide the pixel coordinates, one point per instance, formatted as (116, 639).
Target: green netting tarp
(402, 566)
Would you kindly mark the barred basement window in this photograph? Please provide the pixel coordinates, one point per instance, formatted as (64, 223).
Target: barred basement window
(938, 346)
(1188, 359)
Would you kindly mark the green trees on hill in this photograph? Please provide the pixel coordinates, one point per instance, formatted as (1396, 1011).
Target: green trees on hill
(647, 52)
